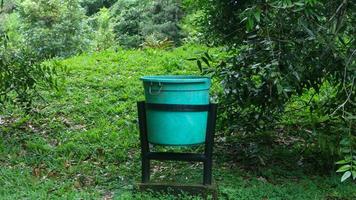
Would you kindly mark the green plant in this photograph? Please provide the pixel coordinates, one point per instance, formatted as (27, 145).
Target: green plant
(348, 142)
(136, 21)
(10, 23)
(54, 28)
(84, 143)
(104, 36)
(348, 163)
(20, 76)
(279, 60)
(152, 42)
(94, 6)
(21, 71)
(281, 49)
(127, 17)
(164, 18)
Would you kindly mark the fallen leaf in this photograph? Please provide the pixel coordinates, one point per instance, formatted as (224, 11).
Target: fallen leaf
(36, 172)
(77, 184)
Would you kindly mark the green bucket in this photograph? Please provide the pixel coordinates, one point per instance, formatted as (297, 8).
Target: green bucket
(176, 128)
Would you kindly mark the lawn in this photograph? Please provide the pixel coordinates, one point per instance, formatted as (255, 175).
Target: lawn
(82, 141)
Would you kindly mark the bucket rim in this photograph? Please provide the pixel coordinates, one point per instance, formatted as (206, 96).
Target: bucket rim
(176, 79)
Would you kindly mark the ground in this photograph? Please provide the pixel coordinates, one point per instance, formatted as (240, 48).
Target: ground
(81, 142)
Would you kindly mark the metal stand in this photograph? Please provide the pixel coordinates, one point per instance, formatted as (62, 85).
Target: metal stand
(146, 155)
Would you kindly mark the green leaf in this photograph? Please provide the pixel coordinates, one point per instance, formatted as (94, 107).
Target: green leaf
(310, 33)
(352, 117)
(345, 150)
(345, 176)
(206, 61)
(345, 141)
(279, 89)
(207, 56)
(199, 65)
(249, 24)
(299, 3)
(257, 15)
(353, 175)
(344, 168)
(340, 162)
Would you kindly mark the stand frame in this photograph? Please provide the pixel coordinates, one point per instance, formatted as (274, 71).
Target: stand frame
(207, 185)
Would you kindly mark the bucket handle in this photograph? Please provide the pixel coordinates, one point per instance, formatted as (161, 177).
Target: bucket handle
(159, 90)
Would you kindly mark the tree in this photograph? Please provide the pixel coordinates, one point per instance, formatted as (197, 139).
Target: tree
(280, 49)
(136, 21)
(165, 16)
(94, 6)
(104, 36)
(20, 71)
(54, 28)
(128, 17)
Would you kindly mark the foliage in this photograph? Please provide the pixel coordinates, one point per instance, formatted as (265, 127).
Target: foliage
(151, 41)
(84, 143)
(277, 59)
(20, 70)
(137, 20)
(20, 75)
(54, 28)
(164, 16)
(348, 143)
(9, 31)
(104, 36)
(7, 6)
(348, 164)
(128, 16)
(94, 6)
(280, 49)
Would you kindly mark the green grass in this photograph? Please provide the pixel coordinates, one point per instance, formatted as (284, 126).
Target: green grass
(82, 142)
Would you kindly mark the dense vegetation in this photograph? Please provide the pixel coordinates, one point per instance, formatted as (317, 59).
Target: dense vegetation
(282, 50)
(84, 141)
(283, 73)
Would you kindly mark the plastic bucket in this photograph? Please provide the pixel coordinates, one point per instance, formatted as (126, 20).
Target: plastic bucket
(176, 128)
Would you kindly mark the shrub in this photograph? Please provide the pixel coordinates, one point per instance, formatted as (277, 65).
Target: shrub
(20, 70)
(54, 28)
(280, 49)
(128, 17)
(21, 75)
(104, 36)
(164, 18)
(9, 29)
(94, 6)
(137, 20)
(151, 41)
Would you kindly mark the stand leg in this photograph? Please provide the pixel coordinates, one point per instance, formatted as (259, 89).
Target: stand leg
(144, 142)
(209, 142)
(145, 170)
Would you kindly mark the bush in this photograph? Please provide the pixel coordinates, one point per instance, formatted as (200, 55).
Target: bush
(94, 6)
(280, 49)
(164, 18)
(137, 20)
(54, 28)
(9, 29)
(104, 36)
(21, 75)
(128, 17)
(21, 71)
(151, 41)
